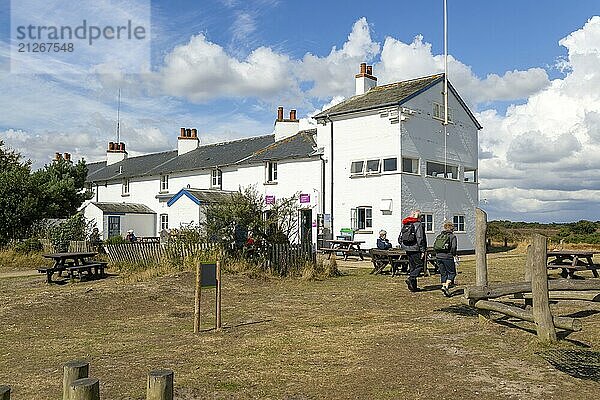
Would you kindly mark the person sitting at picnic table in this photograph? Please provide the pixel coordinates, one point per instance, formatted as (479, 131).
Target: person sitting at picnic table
(131, 236)
(382, 242)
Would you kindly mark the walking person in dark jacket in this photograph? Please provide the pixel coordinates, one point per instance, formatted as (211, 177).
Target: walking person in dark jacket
(445, 252)
(413, 240)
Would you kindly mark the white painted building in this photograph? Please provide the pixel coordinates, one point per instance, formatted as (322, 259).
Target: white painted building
(372, 159)
(386, 152)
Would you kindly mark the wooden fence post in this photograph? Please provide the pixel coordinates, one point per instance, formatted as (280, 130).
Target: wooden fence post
(197, 298)
(85, 389)
(160, 385)
(4, 392)
(481, 276)
(539, 287)
(72, 371)
(218, 297)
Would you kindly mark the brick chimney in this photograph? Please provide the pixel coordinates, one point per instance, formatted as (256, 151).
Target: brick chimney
(67, 157)
(57, 157)
(187, 140)
(115, 153)
(365, 79)
(286, 127)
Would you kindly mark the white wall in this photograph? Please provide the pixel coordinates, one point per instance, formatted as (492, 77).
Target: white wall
(93, 213)
(183, 212)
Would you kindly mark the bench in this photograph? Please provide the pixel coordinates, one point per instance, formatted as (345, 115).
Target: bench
(383, 258)
(49, 271)
(569, 270)
(345, 252)
(94, 269)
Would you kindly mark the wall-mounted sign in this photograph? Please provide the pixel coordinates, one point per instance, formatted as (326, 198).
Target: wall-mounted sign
(304, 198)
(269, 199)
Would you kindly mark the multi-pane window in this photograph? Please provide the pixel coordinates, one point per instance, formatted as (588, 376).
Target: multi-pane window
(357, 167)
(410, 165)
(125, 187)
(390, 164)
(427, 220)
(362, 218)
(438, 112)
(470, 175)
(164, 222)
(164, 183)
(459, 223)
(217, 178)
(271, 171)
(441, 170)
(373, 166)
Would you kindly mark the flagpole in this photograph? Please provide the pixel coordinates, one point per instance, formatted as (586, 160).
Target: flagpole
(445, 104)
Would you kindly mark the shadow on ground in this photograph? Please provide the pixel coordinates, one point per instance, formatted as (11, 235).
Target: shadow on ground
(580, 364)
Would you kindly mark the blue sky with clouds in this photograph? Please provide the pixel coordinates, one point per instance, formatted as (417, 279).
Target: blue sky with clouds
(223, 66)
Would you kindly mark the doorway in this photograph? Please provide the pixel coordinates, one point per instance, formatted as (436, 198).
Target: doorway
(114, 226)
(306, 227)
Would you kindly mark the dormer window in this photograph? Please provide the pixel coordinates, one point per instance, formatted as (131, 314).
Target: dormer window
(217, 178)
(164, 183)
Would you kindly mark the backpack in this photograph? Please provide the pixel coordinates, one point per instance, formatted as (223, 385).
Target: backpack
(408, 235)
(442, 242)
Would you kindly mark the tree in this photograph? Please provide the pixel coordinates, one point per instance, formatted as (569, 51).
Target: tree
(56, 191)
(61, 184)
(19, 198)
(583, 227)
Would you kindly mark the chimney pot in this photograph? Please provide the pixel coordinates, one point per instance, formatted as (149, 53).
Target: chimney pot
(188, 132)
(293, 115)
(369, 70)
(363, 68)
(66, 156)
(122, 147)
(279, 113)
(56, 156)
(182, 134)
(111, 146)
(194, 133)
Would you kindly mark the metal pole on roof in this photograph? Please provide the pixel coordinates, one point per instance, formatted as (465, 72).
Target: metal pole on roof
(445, 104)
(119, 118)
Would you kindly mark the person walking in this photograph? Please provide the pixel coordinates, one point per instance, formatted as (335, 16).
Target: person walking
(445, 253)
(382, 241)
(412, 239)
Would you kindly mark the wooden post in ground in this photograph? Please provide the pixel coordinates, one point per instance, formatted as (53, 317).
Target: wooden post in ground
(160, 385)
(539, 287)
(197, 298)
(218, 298)
(528, 268)
(4, 392)
(85, 389)
(481, 276)
(72, 371)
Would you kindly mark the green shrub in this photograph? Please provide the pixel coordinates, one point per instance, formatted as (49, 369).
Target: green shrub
(28, 246)
(115, 240)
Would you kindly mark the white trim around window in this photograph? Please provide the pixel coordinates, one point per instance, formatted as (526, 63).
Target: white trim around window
(164, 183)
(164, 222)
(459, 223)
(125, 187)
(427, 220)
(216, 181)
(271, 172)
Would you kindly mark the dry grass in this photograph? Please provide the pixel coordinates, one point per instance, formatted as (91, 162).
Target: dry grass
(11, 261)
(353, 336)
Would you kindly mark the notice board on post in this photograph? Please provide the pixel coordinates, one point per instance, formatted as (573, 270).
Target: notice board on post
(209, 275)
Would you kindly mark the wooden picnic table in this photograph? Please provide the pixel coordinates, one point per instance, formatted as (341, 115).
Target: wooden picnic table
(73, 262)
(571, 261)
(396, 258)
(345, 247)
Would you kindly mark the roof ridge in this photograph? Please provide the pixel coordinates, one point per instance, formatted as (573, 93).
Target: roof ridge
(406, 81)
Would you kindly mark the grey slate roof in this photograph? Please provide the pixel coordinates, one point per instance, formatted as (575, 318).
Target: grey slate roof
(129, 208)
(210, 196)
(391, 94)
(95, 167)
(300, 145)
(207, 156)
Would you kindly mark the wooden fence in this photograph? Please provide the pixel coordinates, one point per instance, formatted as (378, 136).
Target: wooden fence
(74, 246)
(153, 252)
(283, 259)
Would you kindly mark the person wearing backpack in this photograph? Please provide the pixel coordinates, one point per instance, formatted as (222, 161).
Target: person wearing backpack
(445, 251)
(412, 239)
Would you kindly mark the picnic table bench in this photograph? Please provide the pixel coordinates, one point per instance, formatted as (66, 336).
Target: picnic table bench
(397, 259)
(571, 261)
(346, 247)
(73, 263)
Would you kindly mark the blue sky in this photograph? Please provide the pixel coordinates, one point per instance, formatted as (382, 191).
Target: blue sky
(224, 66)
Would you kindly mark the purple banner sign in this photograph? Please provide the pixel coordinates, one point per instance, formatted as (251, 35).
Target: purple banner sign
(269, 199)
(304, 198)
